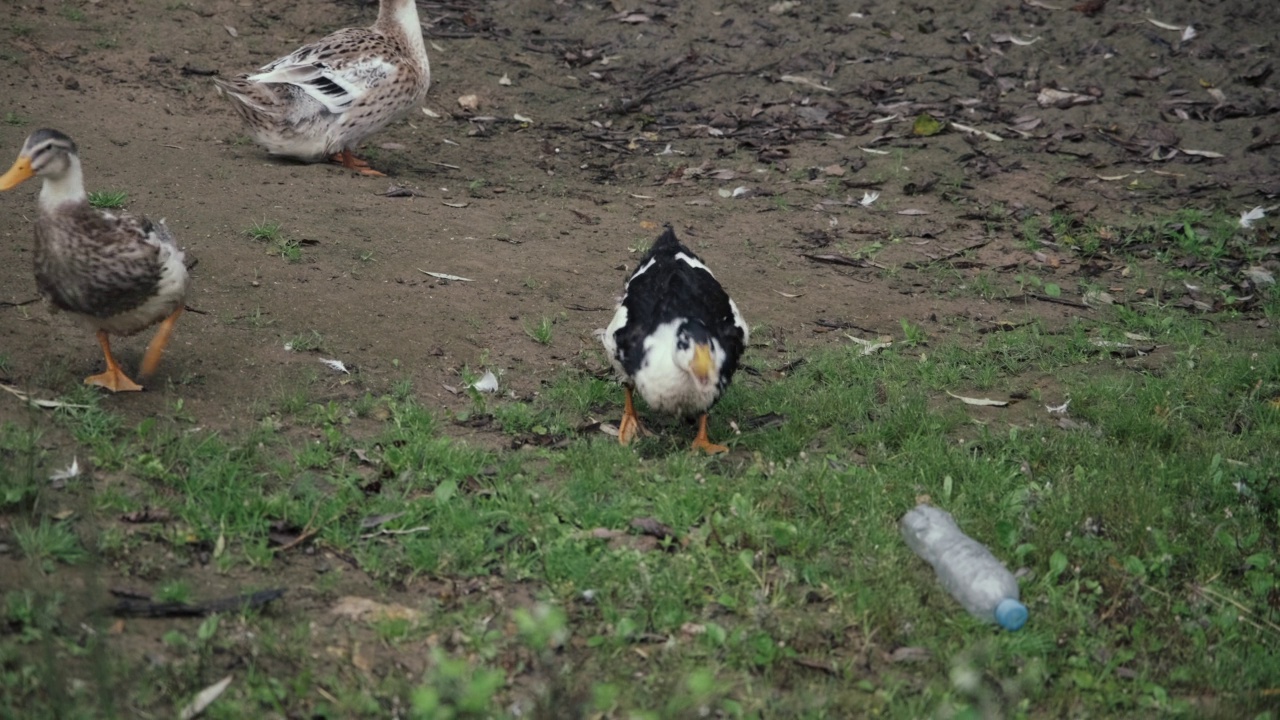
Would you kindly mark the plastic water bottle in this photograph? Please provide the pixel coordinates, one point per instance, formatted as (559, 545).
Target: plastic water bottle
(965, 567)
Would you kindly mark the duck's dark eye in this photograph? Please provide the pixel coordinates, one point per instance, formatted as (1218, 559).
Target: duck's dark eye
(682, 344)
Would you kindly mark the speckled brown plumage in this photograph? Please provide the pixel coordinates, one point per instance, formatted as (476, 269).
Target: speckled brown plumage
(116, 273)
(325, 98)
(93, 264)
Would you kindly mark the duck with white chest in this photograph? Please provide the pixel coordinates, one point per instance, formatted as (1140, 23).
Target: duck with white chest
(675, 338)
(323, 99)
(116, 273)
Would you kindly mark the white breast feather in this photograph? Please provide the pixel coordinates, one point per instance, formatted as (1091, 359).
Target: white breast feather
(666, 387)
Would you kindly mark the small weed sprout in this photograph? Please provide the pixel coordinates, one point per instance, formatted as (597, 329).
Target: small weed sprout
(107, 199)
(541, 333)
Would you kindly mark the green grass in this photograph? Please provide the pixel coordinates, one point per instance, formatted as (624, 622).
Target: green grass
(541, 332)
(265, 231)
(107, 199)
(1145, 526)
(272, 234)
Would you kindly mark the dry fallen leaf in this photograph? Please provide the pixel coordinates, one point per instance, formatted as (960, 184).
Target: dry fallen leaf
(504, 80)
(798, 80)
(231, 31)
(1051, 97)
(445, 276)
(204, 699)
(469, 102)
(1202, 153)
(982, 402)
(988, 135)
(653, 528)
(870, 346)
(1089, 8)
(1164, 25)
(1002, 38)
(1260, 276)
(366, 610)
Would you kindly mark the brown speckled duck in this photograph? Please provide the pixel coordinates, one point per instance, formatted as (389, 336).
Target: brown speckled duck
(116, 273)
(323, 99)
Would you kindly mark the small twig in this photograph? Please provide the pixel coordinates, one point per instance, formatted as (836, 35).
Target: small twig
(384, 531)
(630, 105)
(947, 256)
(20, 304)
(307, 533)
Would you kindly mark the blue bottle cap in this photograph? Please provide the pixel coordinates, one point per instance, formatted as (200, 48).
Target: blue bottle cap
(1011, 614)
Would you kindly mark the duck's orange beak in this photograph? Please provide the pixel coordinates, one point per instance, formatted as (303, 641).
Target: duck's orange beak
(20, 171)
(701, 363)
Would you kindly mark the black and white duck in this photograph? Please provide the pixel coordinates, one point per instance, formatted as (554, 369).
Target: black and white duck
(676, 338)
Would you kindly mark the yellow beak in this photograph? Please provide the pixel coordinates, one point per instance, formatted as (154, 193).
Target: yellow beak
(20, 171)
(701, 363)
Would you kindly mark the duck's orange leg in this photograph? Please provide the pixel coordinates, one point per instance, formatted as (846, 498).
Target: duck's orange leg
(348, 160)
(630, 425)
(114, 378)
(155, 348)
(703, 443)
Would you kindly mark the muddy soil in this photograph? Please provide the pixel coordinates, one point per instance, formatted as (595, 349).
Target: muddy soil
(756, 130)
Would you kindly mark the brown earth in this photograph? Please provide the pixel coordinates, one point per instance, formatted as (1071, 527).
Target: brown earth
(638, 115)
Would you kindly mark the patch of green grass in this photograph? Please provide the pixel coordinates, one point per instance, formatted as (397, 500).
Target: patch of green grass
(278, 243)
(73, 13)
(265, 231)
(542, 331)
(48, 542)
(13, 118)
(305, 342)
(107, 199)
(773, 582)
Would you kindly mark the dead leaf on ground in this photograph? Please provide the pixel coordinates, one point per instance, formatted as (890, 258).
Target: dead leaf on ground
(910, 655)
(654, 528)
(205, 697)
(469, 102)
(798, 80)
(1050, 97)
(147, 515)
(401, 191)
(838, 259)
(367, 610)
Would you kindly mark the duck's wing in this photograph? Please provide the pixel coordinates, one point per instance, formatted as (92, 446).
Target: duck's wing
(116, 261)
(338, 71)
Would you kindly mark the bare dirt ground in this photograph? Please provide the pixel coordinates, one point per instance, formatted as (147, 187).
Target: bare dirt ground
(598, 122)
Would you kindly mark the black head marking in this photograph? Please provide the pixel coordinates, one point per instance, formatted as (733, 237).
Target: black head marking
(45, 135)
(692, 331)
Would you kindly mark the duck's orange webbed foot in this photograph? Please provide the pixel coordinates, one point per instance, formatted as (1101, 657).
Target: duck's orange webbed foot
(703, 443)
(114, 378)
(348, 160)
